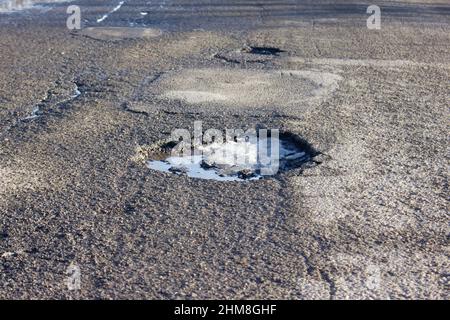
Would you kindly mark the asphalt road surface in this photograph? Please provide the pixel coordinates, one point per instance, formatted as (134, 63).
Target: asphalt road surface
(367, 219)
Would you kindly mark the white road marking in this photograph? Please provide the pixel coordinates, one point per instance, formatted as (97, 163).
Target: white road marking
(112, 11)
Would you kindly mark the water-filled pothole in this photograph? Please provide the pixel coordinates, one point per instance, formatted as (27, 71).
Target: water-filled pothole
(245, 157)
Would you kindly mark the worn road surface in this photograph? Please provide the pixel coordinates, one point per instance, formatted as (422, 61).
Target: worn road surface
(368, 219)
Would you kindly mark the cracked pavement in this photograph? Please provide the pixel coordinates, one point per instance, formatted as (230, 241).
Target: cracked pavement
(368, 221)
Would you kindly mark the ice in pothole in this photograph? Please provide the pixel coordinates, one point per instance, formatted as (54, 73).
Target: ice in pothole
(245, 158)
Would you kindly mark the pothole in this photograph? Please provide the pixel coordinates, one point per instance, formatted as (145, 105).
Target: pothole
(249, 54)
(267, 51)
(243, 158)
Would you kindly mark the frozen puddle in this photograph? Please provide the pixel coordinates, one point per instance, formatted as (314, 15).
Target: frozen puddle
(192, 167)
(247, 158)
(16, 5)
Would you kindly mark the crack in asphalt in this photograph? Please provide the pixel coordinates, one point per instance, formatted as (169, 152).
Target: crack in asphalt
(44, 106)
(331, 283)
(48, 104)
(147, 80)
